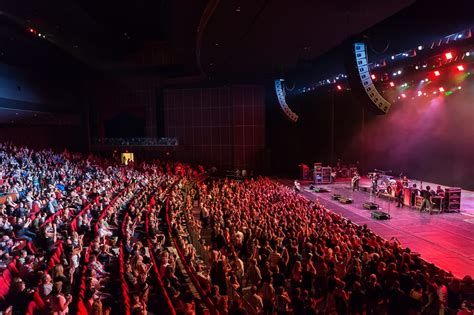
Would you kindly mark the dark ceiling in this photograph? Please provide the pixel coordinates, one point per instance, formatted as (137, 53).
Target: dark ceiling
(271, 37)
(242, 37)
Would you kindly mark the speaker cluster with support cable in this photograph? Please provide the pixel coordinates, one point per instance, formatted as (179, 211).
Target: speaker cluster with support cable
(280, 92)
(362, 63)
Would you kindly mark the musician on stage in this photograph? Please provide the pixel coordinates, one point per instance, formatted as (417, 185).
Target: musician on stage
(405, 181)
(399, 193)
(414, 192)
(426, 204)
(355, 181)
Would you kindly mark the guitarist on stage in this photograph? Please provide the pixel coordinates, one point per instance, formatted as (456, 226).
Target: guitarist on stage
(399, 193)
(355, 181)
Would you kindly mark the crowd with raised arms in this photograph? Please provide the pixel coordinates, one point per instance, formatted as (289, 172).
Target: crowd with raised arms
(283, 254)
(60, 230)
(76, 232)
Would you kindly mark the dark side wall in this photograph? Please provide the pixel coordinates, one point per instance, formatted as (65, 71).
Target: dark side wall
(41, 94)
(429, 139)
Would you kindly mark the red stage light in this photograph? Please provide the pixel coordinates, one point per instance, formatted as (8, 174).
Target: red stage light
(437, 73)
(339, 87)
(32, 30)
(460, 68)
(373, 76)
(441, 89)
(392, 84)
(448, 55)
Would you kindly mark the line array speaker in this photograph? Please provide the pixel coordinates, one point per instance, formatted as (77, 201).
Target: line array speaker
(280, 92)
(362, 62)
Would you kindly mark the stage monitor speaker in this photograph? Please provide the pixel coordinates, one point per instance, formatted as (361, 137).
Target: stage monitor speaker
(358, 72)
(380, 215)
(370, 205)
(345, 200)
(320, 189)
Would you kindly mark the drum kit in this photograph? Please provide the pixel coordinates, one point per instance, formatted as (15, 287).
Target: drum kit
(381, 182)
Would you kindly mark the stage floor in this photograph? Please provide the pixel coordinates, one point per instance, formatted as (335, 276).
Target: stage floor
(446, 240)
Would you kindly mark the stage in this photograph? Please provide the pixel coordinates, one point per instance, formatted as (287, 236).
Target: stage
(446, 239)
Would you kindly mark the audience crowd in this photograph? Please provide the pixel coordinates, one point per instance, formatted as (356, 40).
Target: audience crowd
(84, 235)
(273, 251)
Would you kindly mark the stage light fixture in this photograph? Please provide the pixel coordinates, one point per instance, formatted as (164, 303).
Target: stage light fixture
(420, 93)
(468, 54)
(393, 57)
(392, 84)
(32, 30)
(460, 68)
(339, 87)
(459, 87)
(39, 34)
(373, 76)
(399, 72)
(404, 95)
(441, 89)
(420, 47)
(416, 67)
(448, 55)
(437, 73)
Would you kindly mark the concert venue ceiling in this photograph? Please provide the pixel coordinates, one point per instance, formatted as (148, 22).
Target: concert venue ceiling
(234, 38)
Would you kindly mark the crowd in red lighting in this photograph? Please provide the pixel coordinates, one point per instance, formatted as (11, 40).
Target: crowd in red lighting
(80, 234)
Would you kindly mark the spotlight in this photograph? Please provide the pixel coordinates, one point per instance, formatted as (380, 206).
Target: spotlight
(460, 68)
(373, 76)
(437, 73)
(459, 87)
(39, 34)
(339, 87)
(460, 35)
(426, 80)
(448, 55)
(393, 57)
(420, 93)
(420, 47)
(441, 89)
(468, 53)
(403, 95)
(399, 72)
(416, 67)
(31, 30)
(392, 84)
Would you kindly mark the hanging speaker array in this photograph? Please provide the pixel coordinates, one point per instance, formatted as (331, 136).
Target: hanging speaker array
(281, 95)
(362, 62)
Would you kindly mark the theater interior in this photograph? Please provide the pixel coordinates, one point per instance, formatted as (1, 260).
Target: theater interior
(236, 157)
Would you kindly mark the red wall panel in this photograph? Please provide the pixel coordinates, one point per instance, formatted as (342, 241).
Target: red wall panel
(218, 126)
